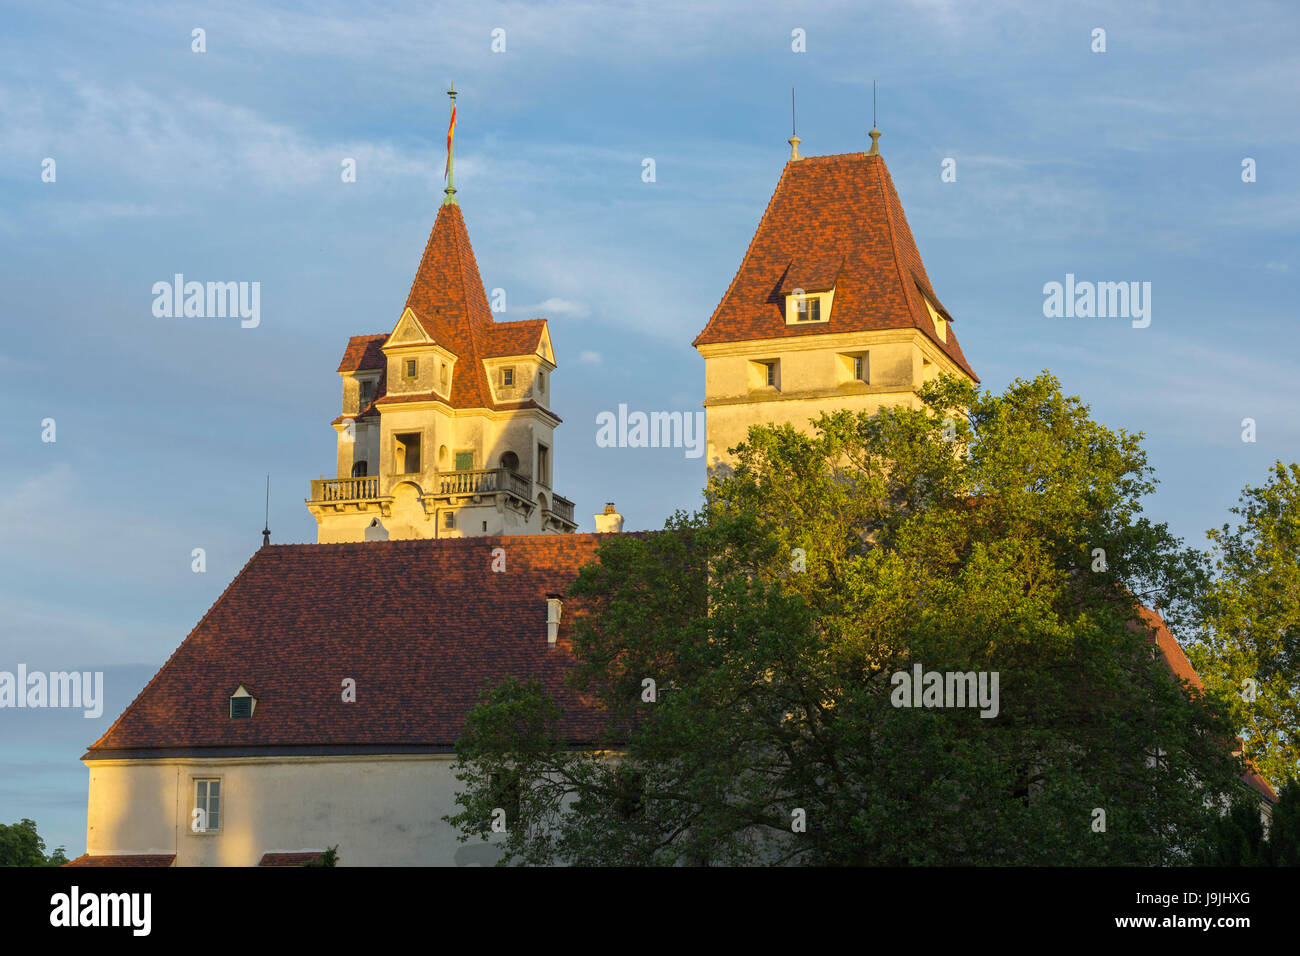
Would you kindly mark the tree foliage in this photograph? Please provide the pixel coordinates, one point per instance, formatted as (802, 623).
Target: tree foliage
(22, 845)
(772, 623)
(1250, 653)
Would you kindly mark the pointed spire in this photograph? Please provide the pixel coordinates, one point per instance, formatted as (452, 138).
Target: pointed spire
(794, 139)
(451, 130)
(875, 133)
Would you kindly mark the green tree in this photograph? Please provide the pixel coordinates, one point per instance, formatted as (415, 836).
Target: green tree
(772, 623)
(22, 845)
(1239, 837)
(1249, 656)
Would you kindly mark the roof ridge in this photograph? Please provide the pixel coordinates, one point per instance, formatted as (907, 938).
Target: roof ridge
(893, 241)
(471, 323)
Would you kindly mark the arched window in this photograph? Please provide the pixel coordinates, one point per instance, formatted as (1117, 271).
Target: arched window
(510, 460)
(359, 469)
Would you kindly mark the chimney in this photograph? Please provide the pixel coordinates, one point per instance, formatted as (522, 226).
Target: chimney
(609, 521)
(553, 611)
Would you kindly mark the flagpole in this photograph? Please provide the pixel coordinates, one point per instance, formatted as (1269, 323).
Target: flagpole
(451, 129)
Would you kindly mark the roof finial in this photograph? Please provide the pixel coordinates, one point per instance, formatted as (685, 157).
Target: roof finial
(451, 129)
(266, 525)
(875, 133)
(794, 139)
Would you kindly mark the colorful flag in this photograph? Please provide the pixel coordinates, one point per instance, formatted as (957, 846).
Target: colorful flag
(450, 130)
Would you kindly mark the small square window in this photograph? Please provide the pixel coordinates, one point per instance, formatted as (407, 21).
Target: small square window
(507, 378)
(241, 708)
(409, 369)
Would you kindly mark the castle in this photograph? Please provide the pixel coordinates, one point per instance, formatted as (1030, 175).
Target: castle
(318, 702)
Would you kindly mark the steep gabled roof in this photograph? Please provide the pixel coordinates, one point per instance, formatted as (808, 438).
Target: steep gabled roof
(832, 219)
(422, 626)
(448, 299)
(363, 353)
(449, 303)
(514, 338)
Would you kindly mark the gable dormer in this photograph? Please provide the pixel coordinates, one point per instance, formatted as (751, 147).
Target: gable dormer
(417, 364)
(808, 287)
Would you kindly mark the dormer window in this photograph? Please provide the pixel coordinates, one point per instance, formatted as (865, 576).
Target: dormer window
(242, 704)
(507, 378)
(803, 307)
(367, 392)
(940, 323)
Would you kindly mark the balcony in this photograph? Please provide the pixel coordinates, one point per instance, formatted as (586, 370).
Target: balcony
(483, 481)
(345, 489)
(332, 496)
(562, 508)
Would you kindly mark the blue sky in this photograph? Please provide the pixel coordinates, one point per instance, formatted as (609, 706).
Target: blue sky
(225, 165)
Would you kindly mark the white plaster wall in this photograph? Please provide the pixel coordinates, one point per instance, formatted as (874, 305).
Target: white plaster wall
(381, 811)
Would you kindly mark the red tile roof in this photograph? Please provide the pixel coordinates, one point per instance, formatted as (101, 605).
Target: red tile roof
(448, 299)
(451, 306)
(363, 352)
(422, 626)
(831, 218)
(125, 859)
(514, 338)
(290, 859)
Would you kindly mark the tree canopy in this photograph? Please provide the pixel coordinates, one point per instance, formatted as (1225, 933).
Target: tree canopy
(22, 845)
(1249, 655)
(748, 658)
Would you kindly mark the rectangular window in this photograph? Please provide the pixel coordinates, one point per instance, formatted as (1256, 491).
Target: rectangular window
(409, 368)
(367, 392)
(860, 368)
(543, 465)
(771, 373)
(449, 519)
(207, 806)
(810, 309)
(406, 453)
(241, 708)
(507, 378)
(464, 461)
